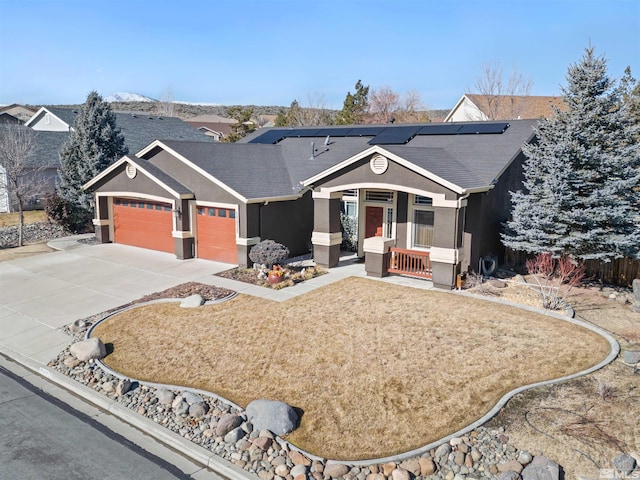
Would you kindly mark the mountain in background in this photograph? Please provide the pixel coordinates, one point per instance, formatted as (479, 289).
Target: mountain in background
(136, 103)
(128, 97)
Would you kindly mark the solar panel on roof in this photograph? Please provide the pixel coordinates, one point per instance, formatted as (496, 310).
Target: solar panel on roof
(394, 136)
(483, 127)
(443, 129)
(302, 132)
(334, 132)
(365, 131)
(270, 137)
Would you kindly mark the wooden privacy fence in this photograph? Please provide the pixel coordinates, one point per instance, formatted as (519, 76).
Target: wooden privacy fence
(621, 271)
(410, 262)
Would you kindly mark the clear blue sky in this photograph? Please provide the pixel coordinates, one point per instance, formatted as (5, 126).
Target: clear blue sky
(269, 52)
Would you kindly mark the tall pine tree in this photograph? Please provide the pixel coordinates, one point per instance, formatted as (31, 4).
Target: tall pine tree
(582, 175)
(95, 142)
(355, 106)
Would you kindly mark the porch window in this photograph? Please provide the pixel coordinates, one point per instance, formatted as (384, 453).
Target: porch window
(423, 228)
(379, 196)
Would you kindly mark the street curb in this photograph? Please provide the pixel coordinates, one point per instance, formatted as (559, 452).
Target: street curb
(194, 452)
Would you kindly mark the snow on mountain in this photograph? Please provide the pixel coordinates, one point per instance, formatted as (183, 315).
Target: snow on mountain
(128, 97)
(204, 104)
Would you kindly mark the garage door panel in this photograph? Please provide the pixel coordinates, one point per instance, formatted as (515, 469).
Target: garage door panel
(217, 234)
(143, 224)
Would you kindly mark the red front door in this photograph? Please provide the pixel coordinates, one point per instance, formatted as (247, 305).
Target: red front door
(374, 217)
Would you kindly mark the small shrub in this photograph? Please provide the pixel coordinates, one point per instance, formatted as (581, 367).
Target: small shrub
(605, 390)
(268, 253)
(555, 278)
(349, 227)
(66, 214)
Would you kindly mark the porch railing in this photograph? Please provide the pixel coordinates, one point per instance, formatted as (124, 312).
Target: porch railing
(410, 262)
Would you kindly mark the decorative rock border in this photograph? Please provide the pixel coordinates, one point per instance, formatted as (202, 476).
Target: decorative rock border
(472, 452)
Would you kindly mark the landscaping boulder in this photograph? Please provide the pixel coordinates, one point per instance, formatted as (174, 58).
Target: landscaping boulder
(228, 423)
(275, 416)
(165, 397)
(541, 468)
(123, 387)
(624, 464)
(192, 301)
(88, 349)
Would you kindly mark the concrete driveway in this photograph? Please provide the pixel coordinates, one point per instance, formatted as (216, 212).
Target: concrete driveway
(40, 293)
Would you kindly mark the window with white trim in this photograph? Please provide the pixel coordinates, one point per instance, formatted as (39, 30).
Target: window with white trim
(422, 222)
(382, 196)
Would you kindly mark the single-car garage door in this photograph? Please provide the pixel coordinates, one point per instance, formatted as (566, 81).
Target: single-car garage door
(217, 234)
(143, 224)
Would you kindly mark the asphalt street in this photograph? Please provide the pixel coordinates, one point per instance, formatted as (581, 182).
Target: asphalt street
(42, 437)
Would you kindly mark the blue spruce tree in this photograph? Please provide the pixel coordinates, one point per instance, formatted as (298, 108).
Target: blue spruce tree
(95, 142)
(582, 176)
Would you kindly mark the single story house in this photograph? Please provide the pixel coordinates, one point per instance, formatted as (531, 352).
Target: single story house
(428, 200)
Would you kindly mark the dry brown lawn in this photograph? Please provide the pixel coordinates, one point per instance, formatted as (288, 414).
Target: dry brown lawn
(32, 216)
(377, 369)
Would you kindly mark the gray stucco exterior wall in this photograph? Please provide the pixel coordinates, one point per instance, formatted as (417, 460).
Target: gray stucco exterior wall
(204, 189)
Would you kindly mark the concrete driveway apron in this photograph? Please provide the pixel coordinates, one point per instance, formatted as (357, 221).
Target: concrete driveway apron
(41, 293)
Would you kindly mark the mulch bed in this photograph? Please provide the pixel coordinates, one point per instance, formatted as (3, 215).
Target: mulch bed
(248, 275)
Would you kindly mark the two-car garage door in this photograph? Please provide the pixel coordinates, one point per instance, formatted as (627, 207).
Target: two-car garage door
(149, 224)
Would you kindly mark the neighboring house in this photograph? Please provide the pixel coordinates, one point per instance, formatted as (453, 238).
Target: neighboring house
(44, 157)
(53, 125)
(215, 126)
(6, 118)
(217, 131)
(21, 112)
(475, 107)
(429, 199)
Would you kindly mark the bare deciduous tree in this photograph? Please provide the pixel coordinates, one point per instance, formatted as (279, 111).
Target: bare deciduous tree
(388, 106)
(315, 114)
(166, 106)
(501, 100)
(20, 176)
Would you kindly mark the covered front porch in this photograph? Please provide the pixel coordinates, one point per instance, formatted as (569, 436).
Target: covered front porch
(408, 232)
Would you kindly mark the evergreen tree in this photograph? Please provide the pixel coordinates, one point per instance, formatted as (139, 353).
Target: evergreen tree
(355, 106)
(631, 95)
(243, 126)
(582, 175)
(95, 142)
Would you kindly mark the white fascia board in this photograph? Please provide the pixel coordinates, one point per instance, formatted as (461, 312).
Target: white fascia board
(399, 160)
(273, 199)
(455, 108)
(34, 116)
(128, 159)
(193, 166)
(44, 110)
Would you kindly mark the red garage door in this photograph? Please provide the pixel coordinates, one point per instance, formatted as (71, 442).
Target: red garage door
(217, 234)
(143, 224)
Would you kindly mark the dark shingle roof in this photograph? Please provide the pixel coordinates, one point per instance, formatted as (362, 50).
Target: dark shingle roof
(140, 130)
(47, 145)
(255, 170)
